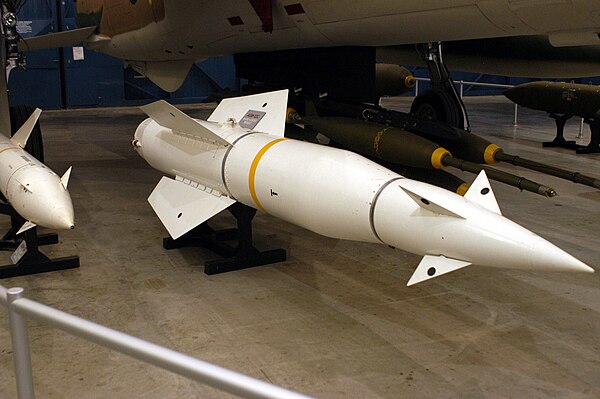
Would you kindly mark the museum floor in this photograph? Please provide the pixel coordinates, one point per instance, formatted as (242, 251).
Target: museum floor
(334, 321)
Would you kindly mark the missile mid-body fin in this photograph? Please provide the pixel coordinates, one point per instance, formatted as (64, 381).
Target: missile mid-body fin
(22, 135)
(433, 266)
(481, 193)
(181, 207)
(259, 112)
(170, 117)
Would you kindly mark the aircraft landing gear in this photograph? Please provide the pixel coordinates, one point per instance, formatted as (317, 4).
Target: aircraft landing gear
(442, 102)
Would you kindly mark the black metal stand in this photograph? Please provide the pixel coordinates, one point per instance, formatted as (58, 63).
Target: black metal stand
(33, 261)
(559, 140)
(242, 256)
(594, 146)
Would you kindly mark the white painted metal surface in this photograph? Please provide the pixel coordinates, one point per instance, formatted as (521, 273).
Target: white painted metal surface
(38, 194)
(343, 195)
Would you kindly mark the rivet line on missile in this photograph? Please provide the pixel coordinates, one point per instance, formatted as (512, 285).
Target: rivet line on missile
(254, 166)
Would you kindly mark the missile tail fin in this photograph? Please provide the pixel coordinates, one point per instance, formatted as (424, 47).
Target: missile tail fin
(265, 112)
(22, 135)
(481, 193)
(181, 207)
(26, 226)
(170, 117)
(434, 266)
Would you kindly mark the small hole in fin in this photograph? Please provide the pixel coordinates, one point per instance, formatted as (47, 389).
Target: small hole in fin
(179, 216)
(423, 200)
(264, 105)
(431, 271)
(485, 191)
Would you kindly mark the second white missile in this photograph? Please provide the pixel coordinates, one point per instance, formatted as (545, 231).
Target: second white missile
(240, 154)
(36, 193)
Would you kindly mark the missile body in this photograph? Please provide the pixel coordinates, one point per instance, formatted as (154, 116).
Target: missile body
(329, 191)
(557, 98)
(36, 193)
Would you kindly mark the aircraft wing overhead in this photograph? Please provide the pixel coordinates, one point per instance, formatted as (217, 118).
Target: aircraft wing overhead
(260, 112)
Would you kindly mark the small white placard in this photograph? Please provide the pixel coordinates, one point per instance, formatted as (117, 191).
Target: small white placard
(78, 54)
(19, 252)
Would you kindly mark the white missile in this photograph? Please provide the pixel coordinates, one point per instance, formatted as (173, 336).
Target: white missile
(36, 193)
(240, 154)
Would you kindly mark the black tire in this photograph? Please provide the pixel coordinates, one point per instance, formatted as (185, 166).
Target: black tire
(437, 105)
(35, 145)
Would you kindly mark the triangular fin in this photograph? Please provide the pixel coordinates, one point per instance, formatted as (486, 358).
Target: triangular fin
(427, 203)
(434, 266)
(22, 135)
(265, 112)
(26, 226)
(481, 193)
(170, 117)
(64, 180)
(181, 207)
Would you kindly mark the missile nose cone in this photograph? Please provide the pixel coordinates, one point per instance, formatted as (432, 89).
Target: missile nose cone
(547, 256)
(63, 218)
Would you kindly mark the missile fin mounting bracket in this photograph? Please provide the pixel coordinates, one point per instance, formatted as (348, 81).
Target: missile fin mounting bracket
(434, 266)
(172, 118)
(481, 193)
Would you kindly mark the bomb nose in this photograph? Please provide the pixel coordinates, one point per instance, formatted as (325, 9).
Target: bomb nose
(547, 256)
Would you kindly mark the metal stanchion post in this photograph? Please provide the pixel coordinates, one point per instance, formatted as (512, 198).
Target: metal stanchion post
(516, 121)
(580, 135)
(462, 85)
(417, 88)
(20, 345)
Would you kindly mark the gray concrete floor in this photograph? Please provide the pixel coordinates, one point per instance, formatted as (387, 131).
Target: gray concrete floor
(334, 321)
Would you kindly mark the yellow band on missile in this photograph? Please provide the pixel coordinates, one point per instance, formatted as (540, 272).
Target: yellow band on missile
(489, 155)
(409, 81)
(8, 148)
(437, 157)
(254, 166)
(462, 189)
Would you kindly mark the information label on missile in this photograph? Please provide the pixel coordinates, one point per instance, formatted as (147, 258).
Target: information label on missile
(251, 119)
(19, 252)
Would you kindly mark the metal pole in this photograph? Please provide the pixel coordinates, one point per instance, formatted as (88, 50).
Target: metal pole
(417, 88)
(580, 135)
(20, 345)
(516, 121)
(462, 85)
(186, 366)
